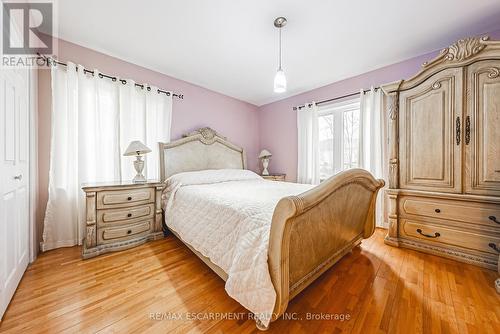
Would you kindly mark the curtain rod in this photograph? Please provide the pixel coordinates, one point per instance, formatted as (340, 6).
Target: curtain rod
(102, 75)
(334, 99)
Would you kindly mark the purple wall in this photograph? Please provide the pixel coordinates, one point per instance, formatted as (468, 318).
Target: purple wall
(278, 122)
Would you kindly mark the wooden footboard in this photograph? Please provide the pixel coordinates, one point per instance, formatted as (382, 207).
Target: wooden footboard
(312, 231)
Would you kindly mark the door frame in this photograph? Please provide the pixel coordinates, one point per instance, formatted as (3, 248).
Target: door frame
(33, 163)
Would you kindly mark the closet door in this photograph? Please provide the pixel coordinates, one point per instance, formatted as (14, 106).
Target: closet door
(14, 181)
(430, 124)
(482, 128)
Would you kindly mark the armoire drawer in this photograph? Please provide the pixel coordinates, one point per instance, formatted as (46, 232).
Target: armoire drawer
(125, 232)
(122, 198)
(118, 216)
(470, 212)
(446, 236)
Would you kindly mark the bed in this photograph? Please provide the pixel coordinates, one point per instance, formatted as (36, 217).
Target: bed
(268, 240)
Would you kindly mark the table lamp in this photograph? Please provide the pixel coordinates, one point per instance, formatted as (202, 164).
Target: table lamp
(137, 149)
(264, 156)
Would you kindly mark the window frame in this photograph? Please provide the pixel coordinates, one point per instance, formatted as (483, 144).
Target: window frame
(337, 110)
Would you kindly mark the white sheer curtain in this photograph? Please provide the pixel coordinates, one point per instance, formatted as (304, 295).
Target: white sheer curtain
(308, 142)
(372, 134)
(93, 121)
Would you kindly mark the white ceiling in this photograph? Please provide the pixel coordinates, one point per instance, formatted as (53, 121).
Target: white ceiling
(230, 46)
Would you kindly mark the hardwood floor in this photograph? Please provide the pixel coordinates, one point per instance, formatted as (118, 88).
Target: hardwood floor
(382, 289)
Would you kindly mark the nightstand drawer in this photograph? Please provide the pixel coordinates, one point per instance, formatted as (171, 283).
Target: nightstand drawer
(121, 198)
(115, 215)
(122, 233)
(445, 235)
(477, 213)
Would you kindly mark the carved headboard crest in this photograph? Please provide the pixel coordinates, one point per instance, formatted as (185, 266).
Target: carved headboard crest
(208, 135)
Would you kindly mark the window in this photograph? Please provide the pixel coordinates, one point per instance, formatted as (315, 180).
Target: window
(338, 137)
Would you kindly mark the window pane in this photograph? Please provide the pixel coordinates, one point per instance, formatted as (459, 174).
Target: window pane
(351, 138)
(326, 134)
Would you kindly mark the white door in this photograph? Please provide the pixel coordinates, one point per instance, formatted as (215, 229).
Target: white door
(14, 181)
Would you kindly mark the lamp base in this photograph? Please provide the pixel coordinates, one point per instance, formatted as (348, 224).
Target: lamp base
(139, 166)
(139, 178)
(265, 164)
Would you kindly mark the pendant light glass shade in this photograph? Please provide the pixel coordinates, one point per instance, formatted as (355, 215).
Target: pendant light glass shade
(280, 81)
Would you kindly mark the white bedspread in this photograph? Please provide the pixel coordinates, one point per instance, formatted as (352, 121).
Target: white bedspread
(226, 216)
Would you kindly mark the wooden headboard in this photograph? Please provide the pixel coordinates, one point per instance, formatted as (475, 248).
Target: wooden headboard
(199, 150)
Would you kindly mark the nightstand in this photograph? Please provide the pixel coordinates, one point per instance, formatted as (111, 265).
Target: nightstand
(121, 215)
(275, 177)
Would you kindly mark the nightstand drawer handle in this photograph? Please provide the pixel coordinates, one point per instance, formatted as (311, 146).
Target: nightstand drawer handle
(494, 246)
(129, 198)
(129, 215)
(436, 235)
(129, 231)
(493, 219)
(437, 210)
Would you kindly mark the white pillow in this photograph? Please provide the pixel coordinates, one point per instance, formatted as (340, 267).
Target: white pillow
(210, 176)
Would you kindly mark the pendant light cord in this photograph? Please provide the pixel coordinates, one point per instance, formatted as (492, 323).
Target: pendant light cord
(279, 67)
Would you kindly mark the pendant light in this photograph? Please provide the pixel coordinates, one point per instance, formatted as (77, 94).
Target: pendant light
(279, 78)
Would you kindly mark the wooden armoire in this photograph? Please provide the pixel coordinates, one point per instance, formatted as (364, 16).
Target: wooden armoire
(444, 155)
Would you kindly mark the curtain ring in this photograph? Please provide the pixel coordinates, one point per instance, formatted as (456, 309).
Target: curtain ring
(123, 81)
(101, 76)
(168, 93)
(113, 79)
(149, 89)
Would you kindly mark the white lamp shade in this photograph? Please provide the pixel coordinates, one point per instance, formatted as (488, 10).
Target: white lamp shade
(136, 148)
(264, 154)
(280, 82)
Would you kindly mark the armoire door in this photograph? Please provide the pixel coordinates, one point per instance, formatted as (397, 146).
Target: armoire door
(14, 181)
(430, 125)
(482, 128)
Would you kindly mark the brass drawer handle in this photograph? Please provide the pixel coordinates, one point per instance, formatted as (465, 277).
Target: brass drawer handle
(437, 210)
(436, 235)
(129, 198)
(494, 246)
(493, 219)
